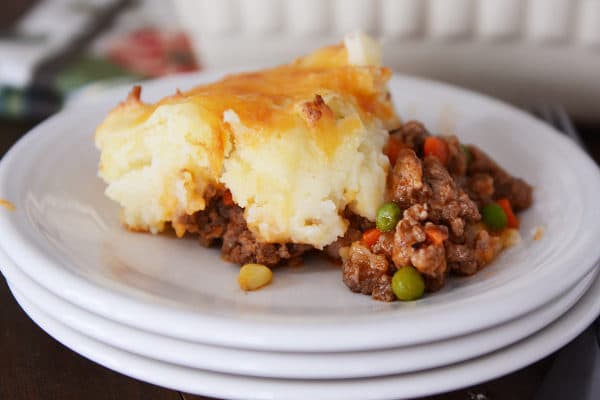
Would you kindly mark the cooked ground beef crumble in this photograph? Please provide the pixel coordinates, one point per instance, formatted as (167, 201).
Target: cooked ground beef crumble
(442, 201)
(224, 225)
(438, 200)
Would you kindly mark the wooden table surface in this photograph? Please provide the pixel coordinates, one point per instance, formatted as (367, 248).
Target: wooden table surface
(34, 366)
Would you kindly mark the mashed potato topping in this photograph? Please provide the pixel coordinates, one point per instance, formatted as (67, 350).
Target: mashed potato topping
(296, 145)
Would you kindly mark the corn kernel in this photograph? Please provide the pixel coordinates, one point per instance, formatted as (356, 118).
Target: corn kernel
(7, 204)
(254, 276)
(511, 237)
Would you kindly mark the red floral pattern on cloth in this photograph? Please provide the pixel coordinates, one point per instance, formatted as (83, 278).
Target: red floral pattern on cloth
(151, 53)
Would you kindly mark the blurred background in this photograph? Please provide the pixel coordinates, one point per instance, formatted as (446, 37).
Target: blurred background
(536, 54)
(527, 52)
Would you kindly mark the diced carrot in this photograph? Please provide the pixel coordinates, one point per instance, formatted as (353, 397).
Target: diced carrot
(436, 147)
(370, 237)
(511, 219)
(392, 149)
(435, 235)
(228, 198)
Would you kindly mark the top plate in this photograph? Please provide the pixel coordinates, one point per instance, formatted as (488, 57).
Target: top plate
(65, 234)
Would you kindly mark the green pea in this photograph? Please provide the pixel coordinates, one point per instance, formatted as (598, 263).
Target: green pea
(467, 152)
(408, 284)
(494, 216)
(388, 216)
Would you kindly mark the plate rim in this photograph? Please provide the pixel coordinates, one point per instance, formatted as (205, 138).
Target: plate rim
(253, 363)
(197, 381)
(25, 253)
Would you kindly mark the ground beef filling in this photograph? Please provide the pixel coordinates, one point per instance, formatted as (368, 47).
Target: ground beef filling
(440, 230)
(221, 225)
(439, 233)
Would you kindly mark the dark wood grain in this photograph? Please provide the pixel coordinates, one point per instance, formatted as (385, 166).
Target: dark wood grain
(187, 396)
(590, 133)
(33, 366)
(11, 10)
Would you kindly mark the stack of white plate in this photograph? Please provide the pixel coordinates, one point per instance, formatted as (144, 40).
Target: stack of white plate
(170, 312)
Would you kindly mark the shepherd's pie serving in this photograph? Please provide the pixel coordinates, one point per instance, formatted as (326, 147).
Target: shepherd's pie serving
(309, 156)
(295, 145)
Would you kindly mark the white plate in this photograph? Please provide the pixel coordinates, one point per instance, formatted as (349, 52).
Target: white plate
(65, 234)
(291, 365)
(410, 385)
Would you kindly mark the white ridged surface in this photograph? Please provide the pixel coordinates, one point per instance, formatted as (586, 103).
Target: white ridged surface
(518, 50)
(521, 20)
(550, 20)
(261, 16)
(402, 18)
(307, 17)
(450, 18)
(588, 31)
(499, 19)
(208, 16)
(352, 15)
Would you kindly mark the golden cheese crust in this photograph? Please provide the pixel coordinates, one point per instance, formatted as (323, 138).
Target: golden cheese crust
(295, 145)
